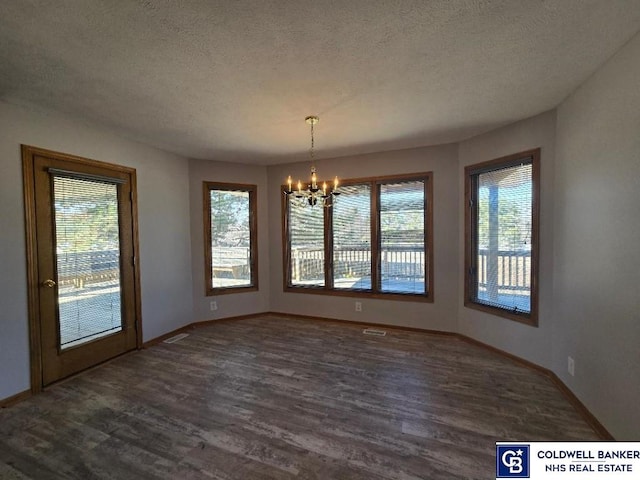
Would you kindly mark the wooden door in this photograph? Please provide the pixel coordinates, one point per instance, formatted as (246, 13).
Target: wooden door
(84, 294)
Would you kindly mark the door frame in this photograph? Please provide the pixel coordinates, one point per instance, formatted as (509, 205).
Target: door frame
(33, 285)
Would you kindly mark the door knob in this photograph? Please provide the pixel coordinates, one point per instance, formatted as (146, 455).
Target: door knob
(49, 283)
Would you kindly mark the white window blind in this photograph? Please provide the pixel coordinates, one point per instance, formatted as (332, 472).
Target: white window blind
(306, 243)
(352, 238)
(402, 237)
(504, 201)
(87, 236)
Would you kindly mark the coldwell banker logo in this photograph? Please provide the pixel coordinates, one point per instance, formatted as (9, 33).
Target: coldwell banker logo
(512, 461)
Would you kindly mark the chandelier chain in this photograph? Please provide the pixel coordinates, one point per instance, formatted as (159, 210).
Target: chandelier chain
(312, 142)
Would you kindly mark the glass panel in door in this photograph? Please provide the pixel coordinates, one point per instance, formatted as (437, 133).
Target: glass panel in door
(87, 245)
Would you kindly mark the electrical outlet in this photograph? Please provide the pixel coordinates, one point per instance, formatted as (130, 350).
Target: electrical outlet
(213, 305)
(571, 366)
(358, 306)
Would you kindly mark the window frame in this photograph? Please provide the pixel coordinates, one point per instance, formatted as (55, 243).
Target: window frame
(471, 173)
(252, 190)
(374, 292)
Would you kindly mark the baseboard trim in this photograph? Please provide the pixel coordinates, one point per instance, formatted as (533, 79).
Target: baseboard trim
(589, 417)
(566, 391)
(582, 410)
(202, 323)
(294, 316)
(163, 337)
(503, 353)
(17, 398)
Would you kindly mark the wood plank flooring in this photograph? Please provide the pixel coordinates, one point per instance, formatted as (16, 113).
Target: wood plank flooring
(274, 398)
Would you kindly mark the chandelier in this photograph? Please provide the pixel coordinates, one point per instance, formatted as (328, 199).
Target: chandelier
(312, 193)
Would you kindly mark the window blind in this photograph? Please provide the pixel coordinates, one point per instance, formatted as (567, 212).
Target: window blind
(306, 240)
(402, 237)
(352, 238)
(87, 237)
(504, 201)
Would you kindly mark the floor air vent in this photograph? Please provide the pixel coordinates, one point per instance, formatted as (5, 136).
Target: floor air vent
(374, 331)
(176, 338)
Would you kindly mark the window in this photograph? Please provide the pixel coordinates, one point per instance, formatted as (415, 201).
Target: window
(231, 254)
(402, 245)
(375, 240)
(307, 241)
(351, 235)
(501, 236)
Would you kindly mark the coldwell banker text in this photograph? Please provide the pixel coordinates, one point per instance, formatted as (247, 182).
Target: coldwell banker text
(602, 455)
(590, 455)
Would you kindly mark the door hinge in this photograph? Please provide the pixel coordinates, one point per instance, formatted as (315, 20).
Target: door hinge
(133, 260)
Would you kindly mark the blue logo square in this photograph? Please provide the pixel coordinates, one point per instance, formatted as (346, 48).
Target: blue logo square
(512, 461)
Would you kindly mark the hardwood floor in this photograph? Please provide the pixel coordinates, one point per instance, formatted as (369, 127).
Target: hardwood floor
(273, 398)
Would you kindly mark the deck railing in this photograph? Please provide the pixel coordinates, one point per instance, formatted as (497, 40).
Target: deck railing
(231, 262)
(77, 269)
(397, 262)
(514, 267)
(308, 263)
(514, 270)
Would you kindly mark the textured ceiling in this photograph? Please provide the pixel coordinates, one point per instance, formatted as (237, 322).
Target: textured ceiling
(233, 80)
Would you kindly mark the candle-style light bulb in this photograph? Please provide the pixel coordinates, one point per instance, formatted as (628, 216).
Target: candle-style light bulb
(324, 188)
(314, 180)
(299, 186)
(289, 183)
(335, 183)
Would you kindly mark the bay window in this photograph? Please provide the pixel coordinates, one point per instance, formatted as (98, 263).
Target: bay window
(374, 240)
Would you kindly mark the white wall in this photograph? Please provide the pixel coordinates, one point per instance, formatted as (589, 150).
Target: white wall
(165, 256)
(440, 315)
(597, 243)
(229, 305)
(533, 344)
